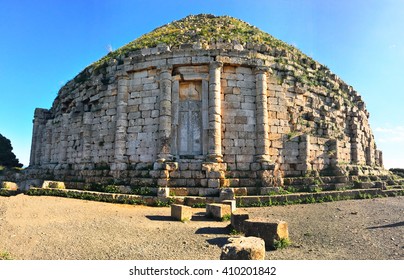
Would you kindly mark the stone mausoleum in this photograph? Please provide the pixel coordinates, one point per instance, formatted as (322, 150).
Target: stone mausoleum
(204, 103)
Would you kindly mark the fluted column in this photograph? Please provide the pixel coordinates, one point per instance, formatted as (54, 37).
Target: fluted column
(262, 124)
(215, 118)
(120, 162)
(165, 130)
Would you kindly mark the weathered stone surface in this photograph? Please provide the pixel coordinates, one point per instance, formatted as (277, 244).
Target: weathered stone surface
(244, 248)
(270, 231)
(181, 212)
(217, 211)
(206, 106)
(227, 194)
(238, 218)
(163, 192)
(53, 185)
(11, 186)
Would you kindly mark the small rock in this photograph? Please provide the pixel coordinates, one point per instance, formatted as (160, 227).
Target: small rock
(244, 248)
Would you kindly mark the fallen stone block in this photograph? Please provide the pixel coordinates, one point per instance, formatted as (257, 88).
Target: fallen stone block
(217, 210)
(237, 220)
(181, 212)
(10, 186)
(244, 248)
(53, 185)
(270, 231)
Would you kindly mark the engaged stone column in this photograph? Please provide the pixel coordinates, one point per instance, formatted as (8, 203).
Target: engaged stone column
(40, 118)
(215, 118)
(87, 121)
(304, 153)
(262, 126)
(164, 153)
(370, 152)
(63, 139)
(380, 158)
(48, 143)
(121, 124)
(356, 146)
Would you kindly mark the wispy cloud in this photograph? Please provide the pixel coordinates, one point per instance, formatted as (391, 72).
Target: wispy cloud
(390, 134)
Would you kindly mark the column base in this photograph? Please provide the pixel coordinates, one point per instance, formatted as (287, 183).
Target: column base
(214, 158)
(262, 158)
(161, 158)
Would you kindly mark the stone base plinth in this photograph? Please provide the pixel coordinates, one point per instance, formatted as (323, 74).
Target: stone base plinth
(181, 212)
(270, 231)
(217, 211)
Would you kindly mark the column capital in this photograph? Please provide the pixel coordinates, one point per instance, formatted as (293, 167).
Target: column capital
(215, 64)
(262, 70)
(122, 75)
(165, 68)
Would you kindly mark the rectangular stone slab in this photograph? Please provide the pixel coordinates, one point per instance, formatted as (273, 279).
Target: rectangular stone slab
(268, 230)
(181, 212)
(217, 211)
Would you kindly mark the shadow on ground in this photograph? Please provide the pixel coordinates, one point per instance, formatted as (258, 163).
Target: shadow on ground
(400, 224)
(218, 241)
(213, 230)
(159, 218)
(201, 217)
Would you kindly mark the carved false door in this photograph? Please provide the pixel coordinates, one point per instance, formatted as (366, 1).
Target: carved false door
(190, 119)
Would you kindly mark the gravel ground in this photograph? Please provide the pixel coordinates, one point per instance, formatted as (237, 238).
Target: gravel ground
(54, 228)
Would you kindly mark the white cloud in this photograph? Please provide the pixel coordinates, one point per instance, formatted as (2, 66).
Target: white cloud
(390, 139)
(390, 134)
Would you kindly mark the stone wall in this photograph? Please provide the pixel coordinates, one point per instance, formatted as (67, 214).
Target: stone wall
(228, 115)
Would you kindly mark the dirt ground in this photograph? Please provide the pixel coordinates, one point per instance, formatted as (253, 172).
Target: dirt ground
(53, 228)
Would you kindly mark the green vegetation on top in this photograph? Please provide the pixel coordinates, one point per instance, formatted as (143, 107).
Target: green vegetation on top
(201, 28)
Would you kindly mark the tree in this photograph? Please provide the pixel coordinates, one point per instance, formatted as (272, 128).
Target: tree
(7, 157)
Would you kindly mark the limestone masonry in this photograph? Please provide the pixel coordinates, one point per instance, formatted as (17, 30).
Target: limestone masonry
(204, 114)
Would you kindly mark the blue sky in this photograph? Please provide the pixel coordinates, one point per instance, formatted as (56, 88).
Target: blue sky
(44, 44)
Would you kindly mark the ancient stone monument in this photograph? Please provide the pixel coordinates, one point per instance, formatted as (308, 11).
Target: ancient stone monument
(199, 104)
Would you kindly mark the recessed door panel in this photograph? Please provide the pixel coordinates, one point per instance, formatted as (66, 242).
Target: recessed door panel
(190, 119)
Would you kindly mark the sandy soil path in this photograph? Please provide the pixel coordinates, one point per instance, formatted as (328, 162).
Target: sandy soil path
(59, 228)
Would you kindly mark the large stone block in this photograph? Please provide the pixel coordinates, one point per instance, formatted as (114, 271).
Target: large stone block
(11, 186)
(244, 248)
(217, 211)
(237, 219)
(270, 231)
(53, 185)
(181, 212)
